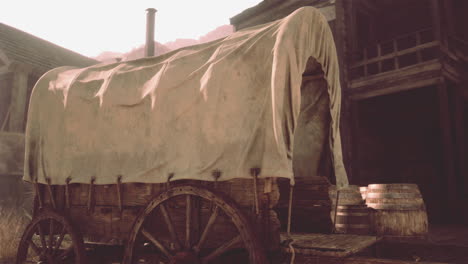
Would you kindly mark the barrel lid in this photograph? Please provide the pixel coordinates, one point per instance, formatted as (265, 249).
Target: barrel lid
(390, 195)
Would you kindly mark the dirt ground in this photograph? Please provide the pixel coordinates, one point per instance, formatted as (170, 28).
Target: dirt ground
(446, 244)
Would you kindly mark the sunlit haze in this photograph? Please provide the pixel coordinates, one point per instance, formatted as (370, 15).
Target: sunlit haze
(90, 27)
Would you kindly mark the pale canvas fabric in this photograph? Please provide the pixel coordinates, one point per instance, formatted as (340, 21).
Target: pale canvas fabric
(230, 105)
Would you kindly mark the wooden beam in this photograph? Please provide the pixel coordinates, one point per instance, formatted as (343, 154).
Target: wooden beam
(411, 84)
(18, 101)
(395, 81)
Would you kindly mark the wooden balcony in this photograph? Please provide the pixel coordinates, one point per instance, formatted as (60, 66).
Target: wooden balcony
(406, 62)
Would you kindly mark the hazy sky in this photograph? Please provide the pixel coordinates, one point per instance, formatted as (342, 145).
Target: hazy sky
(92, 26)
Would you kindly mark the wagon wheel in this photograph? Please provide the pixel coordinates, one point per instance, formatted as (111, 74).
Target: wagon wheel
(50, 238)
(189, 247)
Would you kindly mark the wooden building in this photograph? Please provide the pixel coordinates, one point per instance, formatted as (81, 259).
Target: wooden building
(404, 68)
(24, 58)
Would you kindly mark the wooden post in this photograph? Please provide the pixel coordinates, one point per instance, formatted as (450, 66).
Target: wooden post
(395, 50)
(418, 42)
(447, 151)
(379, 54)
(437, 23)
(460, 143)
(18, 101)
(364, 53)
(449, 17)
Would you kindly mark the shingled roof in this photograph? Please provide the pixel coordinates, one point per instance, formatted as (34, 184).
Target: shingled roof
(43, 55)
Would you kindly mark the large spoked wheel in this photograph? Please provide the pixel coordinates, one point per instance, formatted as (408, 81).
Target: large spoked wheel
(50, 238)
(211, 229)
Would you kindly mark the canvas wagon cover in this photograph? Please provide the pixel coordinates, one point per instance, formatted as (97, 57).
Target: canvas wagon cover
(230, 105)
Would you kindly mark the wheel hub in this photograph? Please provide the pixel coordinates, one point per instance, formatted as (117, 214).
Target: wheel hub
(185, 257)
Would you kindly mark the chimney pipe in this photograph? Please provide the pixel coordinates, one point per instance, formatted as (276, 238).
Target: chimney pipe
(149, 47)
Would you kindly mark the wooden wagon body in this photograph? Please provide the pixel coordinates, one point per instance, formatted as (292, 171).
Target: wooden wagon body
(108, 215)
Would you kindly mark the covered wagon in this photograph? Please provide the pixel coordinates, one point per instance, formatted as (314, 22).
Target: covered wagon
(177, 158)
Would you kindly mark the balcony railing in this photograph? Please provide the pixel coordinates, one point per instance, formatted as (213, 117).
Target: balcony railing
(395, 54)
(458, 46)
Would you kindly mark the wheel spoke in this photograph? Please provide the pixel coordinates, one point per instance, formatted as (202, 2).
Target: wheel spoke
(188, 219)
(51, 233)
(170, 226)
(41, 235)
(156, 242)
(208, 226)
(223, 248)
(62, 235)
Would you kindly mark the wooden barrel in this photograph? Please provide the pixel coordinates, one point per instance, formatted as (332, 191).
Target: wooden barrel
(353, 219)
(399, 210)
(363, 190)
(352, 215)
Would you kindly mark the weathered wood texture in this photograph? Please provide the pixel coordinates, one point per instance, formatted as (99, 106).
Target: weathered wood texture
(336, 245)
(352, 215)
(103, 222)
(172, 211)
(352, 219)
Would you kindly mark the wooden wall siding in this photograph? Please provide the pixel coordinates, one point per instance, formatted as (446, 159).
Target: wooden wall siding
(19, 91)
(4, 62)
(6, 80)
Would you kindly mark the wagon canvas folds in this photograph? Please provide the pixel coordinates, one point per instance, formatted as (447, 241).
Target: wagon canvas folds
(177, 158)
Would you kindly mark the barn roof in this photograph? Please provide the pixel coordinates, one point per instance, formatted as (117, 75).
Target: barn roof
(42, 55)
